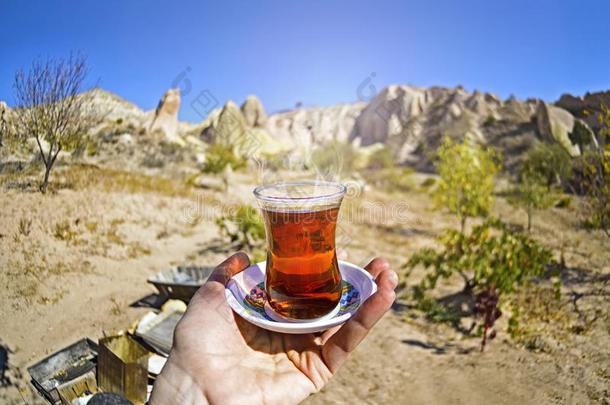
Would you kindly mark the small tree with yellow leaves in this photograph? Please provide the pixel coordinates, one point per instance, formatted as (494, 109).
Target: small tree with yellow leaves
(467, 174)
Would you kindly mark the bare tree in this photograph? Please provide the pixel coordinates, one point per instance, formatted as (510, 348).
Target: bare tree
(50, 108)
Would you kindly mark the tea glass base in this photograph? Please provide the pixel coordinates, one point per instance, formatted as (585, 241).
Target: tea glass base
(280, 318)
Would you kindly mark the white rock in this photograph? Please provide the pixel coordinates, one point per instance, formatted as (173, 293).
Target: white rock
(166, 116)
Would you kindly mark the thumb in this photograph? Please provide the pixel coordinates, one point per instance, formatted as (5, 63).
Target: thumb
(230, 267)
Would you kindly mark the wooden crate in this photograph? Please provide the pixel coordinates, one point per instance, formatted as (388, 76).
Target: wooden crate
(122, 367)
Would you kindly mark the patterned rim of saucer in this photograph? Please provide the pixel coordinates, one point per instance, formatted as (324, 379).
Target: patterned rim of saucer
(246, 295)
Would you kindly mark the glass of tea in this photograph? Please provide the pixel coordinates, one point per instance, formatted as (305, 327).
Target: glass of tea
(302, 279)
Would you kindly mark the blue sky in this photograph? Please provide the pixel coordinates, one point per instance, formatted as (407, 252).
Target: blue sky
(314, 52)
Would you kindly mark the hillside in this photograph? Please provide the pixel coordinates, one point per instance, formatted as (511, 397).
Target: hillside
(410, 121)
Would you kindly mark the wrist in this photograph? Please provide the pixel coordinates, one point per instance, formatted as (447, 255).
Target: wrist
(176, 386)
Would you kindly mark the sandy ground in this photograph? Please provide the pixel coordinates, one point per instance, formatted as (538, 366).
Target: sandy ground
(63, 282)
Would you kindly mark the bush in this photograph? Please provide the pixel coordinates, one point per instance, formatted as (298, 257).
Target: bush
(492, 260)
(551, 163)
(392, 179)
(594, 170)
(489, 120)
(466, 179)
(604, 132)
(593, 173)
(244, 227)
(335, 160)
(381, 159)
(581, 136)
(428, 183)
(219, 156)
(531, 191)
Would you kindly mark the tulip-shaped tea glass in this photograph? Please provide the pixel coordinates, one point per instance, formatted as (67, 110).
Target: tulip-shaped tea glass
(302, 279)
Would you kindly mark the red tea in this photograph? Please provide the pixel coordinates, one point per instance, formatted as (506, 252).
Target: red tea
(302, 278)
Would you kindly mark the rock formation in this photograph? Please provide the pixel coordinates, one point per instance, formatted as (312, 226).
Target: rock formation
(307, 127)
(388, 113)
(412, 121)
(586, 107)
(165, 117)
(556, 124)
(253, 112)
(229, 127)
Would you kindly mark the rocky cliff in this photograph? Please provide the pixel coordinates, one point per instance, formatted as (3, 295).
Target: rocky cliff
(586, 107)
(410, 121)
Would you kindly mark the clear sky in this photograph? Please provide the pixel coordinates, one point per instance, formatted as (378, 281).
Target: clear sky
(314, 52)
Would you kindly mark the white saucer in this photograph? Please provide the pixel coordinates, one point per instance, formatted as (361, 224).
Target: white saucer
(246, 295)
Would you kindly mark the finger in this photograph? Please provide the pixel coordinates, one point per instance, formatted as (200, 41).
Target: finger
(230, 267)
(212, 291)
(343, 342)
(327, 334)
(376, 266)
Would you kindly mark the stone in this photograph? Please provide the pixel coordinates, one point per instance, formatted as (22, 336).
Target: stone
(254, 112)
(209, 182)
(555, 124)
(165, 117)
(125, 139)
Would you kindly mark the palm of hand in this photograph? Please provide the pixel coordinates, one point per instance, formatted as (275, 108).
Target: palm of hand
(237, 361)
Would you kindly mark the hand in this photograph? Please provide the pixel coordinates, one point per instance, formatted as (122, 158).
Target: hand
(218, 357)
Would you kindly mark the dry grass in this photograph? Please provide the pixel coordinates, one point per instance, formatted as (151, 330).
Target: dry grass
(84, 176)
(79, 177)
(25, 226)
(116, 307)
(136, 249)
(64, 231)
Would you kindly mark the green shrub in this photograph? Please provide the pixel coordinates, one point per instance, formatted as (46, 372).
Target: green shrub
(429, 182)
(489, 120)
(581, 135)
(219, 156)
(467, 175)
(335, 159)
(392, 179)
(244, 227)
(490, 256)
(604, 132)
(531, 191)
(381, 159)
(492, 260)
(594, 170)
(551, 163)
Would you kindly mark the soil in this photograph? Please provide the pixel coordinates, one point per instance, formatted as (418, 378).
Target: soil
(80, 267)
